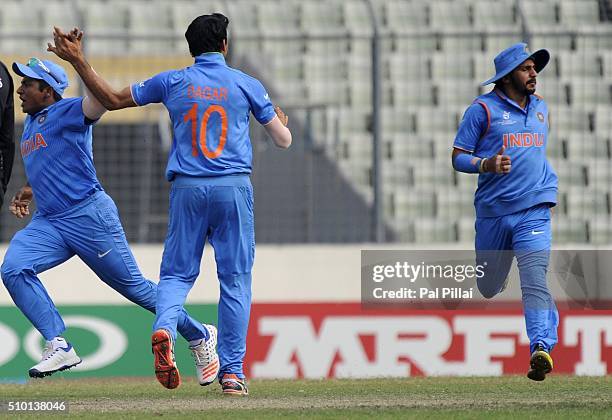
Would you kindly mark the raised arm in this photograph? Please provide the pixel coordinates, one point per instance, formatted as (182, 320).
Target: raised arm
(68, 47)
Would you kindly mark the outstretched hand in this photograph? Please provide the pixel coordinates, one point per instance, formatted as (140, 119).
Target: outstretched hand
(20, 203)
(66, 46)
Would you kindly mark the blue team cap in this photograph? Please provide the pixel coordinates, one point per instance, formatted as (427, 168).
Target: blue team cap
(45, 70)
(513, 56)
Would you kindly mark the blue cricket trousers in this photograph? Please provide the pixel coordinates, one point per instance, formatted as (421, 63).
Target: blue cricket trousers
(92, 231)
(526, 235)
(220, 209)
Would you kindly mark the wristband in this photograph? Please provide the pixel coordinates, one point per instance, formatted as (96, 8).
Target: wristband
(481, 168)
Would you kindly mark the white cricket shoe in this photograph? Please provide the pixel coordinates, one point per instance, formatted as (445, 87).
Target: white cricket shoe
(57, 355)
(206, 358)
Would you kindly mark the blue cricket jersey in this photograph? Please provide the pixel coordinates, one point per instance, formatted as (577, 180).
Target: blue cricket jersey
(209, 104)
(56, 147)
(494, 120)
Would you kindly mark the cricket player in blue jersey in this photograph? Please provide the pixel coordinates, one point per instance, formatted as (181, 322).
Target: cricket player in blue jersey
(209, 166)
(503, 137)
(74, 217)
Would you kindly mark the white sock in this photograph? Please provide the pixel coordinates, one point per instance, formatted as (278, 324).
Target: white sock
(58, 342)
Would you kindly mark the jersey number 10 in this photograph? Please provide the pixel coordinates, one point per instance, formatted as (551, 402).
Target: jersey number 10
(192, 115)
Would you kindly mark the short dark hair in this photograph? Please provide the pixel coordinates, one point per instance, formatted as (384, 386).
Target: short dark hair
(206, 34)
(42, 85)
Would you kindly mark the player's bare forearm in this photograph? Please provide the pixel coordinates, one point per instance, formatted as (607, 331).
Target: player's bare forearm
(104, 93)
(278, 130)
(68, 47)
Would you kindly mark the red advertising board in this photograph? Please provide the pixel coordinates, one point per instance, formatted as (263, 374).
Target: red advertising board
(327, 340)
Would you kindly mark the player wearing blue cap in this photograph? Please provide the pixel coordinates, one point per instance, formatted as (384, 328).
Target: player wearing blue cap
(209, 166)
(503, 137)
(74, 216)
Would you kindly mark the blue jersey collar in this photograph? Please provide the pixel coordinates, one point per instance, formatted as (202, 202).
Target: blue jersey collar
(211, 57)
(530, 100)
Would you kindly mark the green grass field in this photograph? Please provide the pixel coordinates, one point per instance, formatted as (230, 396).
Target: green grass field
(464, 398)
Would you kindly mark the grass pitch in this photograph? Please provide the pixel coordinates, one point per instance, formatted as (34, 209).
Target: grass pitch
(458, 398)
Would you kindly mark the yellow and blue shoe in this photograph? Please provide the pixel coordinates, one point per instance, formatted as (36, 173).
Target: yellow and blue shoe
(233, 385)
(541, 363)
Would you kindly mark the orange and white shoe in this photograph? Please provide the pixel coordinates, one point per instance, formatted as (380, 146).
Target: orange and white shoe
(165, 366)
(206, 358)
(233, 385)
